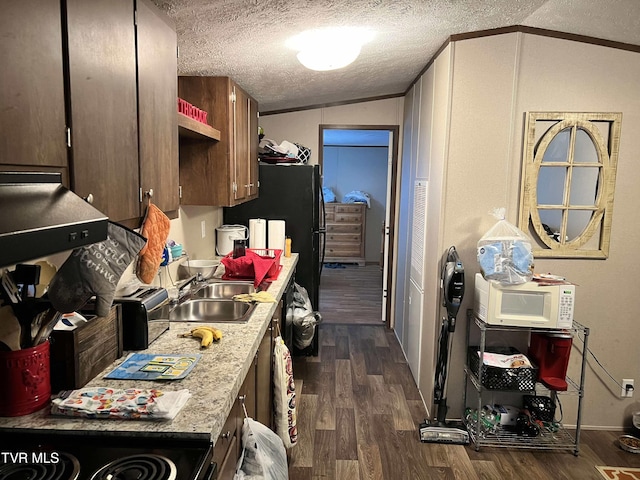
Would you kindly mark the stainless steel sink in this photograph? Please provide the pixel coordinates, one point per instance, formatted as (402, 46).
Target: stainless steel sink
(226, 289)
(209, 310)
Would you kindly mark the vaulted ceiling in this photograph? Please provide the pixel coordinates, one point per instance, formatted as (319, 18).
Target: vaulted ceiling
(245, 39)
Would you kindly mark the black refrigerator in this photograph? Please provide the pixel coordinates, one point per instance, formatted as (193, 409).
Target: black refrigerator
(293, 193)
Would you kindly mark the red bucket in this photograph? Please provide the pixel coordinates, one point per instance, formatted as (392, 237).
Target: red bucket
(25, 376)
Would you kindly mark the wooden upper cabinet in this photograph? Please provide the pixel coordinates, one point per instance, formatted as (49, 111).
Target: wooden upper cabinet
(245, 145)
(222, 173)
(102, 99)
(32, 113)
(157, 98)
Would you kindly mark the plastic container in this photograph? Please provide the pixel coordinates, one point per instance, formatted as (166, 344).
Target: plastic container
(25, 375)
(176, 251)
(496, 378)
(287, 247)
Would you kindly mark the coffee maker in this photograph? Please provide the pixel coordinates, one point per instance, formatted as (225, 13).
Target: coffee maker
(550, 351)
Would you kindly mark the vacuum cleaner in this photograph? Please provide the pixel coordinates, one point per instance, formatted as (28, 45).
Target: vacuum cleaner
(452, 287)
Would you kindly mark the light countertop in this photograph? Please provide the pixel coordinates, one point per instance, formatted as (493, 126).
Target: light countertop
(214, 382)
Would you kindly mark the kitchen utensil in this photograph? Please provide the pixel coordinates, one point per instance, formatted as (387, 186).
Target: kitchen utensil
(239, 248)
(27, 276)
(9, 328)
(48, 322)
(194, 267)
(25, 377)
(226, 234)
(145, 316)
(10, 288)
(47, 271)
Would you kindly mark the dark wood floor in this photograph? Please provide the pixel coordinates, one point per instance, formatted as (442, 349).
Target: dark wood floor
(358, 411)
(351, 294)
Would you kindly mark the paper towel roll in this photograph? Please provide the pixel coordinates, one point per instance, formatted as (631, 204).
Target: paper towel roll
(257, 233)
(276, 235)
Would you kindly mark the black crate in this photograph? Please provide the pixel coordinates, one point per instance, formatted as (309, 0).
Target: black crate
(496, 378)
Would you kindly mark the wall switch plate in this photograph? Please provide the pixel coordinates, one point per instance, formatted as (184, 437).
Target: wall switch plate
(203, 227)
(627, 392)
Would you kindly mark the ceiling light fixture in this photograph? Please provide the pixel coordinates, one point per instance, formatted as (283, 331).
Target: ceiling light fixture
(329, 48)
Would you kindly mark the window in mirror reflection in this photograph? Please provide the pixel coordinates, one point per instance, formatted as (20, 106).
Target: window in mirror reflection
(568, 182)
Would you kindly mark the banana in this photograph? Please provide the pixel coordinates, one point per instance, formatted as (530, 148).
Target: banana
(217, 334)
(205, 336)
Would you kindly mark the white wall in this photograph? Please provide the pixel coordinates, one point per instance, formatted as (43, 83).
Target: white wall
(303, 127)
(494, 81)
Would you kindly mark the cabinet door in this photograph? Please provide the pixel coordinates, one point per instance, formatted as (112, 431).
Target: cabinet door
(157, 93)
(253, 149)
(225, 451)
(264, 395)
(102, 98)
(244, 144)
(247, 395)
(222, 173)
(32, 114)
(227, 470)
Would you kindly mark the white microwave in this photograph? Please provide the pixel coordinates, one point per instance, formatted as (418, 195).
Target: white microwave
(525, 305)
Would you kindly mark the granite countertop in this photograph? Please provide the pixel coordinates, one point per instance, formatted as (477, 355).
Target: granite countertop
(214, 382)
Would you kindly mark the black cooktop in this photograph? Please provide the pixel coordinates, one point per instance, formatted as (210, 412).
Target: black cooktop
(67, 457)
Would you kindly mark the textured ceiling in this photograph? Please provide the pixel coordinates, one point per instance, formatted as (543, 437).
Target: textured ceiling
(245, 39)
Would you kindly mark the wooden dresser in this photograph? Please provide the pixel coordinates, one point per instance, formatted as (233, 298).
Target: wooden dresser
(345, 224)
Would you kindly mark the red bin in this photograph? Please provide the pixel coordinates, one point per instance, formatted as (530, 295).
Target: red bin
(25, 376)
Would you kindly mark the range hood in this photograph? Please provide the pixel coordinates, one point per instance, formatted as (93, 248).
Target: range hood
(41, 217)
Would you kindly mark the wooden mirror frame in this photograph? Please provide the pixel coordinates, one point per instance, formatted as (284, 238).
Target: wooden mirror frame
(538, 137)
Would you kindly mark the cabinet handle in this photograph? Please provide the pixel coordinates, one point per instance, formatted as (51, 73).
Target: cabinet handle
(89, 199)
(226, 435)
(249, 185)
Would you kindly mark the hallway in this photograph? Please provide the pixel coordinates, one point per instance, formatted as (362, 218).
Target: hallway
(350, 294)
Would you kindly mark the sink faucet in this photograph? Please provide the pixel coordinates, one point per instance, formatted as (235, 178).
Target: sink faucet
(191, 282)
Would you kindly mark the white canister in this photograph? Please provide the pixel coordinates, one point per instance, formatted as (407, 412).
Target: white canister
(226, 234)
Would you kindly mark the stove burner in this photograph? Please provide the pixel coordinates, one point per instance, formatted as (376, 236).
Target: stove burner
(138, 467)
(66, 468)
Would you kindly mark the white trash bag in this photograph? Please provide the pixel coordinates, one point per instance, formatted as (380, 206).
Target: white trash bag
(303, 318)
(504, 253)
(263, 454)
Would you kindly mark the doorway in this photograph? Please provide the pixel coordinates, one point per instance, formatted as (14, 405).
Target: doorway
(357, 160)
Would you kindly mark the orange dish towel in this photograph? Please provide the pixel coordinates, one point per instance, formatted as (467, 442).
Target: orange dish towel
(155, 228)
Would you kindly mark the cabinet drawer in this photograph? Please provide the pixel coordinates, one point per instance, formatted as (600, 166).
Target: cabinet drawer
(349, 208)
(226, 438)
(342, 250)
(343, 238)
(345, 228)
(348, 218)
